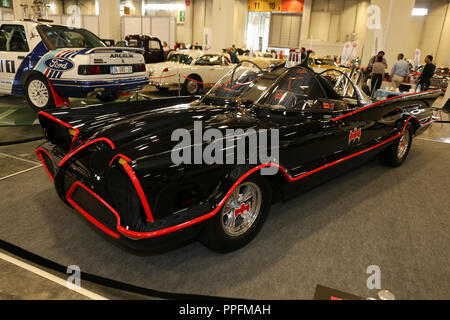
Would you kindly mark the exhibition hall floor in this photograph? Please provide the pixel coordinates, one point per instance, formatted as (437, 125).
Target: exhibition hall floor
(396, 219)
(18, 122)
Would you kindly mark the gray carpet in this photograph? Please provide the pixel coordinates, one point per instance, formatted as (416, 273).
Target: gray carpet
(397, 219)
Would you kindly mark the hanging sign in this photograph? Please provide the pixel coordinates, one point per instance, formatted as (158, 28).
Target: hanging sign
(264, 5)
(276, 5)
(292, 5)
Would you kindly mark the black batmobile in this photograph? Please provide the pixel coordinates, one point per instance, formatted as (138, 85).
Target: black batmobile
(114, 164)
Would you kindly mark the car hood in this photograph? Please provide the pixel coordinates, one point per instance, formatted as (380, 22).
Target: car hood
(151, 133)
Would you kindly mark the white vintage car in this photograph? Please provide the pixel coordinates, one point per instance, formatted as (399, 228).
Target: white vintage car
(263, 60)
(191, 70)
(49, 63)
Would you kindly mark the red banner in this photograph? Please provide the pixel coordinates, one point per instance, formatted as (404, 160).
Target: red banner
(292, 5)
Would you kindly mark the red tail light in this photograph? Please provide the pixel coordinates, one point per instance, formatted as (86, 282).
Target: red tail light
(143, 67)
(94, 70)
(166, 69)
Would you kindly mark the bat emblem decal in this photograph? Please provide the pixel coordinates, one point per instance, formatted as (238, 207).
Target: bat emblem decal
(242, 209)
(354, 135)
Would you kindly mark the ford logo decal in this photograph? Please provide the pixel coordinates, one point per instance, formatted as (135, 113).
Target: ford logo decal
(59, 64)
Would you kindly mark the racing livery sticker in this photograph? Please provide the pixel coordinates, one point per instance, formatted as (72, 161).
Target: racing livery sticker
(59, 64)
(7, 66)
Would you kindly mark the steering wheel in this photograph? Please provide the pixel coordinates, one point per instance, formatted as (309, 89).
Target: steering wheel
(294, 96)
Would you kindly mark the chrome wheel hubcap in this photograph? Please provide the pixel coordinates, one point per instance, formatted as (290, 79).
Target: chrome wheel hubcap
(403, 144)
(38, 93)
(192, 87)
(241, 209)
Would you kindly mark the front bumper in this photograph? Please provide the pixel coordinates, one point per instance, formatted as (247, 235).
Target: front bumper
(94, 201)
(81, 88)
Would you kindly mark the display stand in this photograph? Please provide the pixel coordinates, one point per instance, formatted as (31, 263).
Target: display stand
(137, 96)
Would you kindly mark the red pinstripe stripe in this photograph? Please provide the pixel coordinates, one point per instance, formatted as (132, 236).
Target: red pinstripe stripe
(380, 102)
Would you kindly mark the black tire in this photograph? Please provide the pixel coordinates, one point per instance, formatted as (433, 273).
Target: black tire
(109, 98)
(189, 85)
(214, 234)
(396, 154)
(162, 89)
(32, 93)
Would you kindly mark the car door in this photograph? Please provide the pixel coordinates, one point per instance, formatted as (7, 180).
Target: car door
(313, 134)
(210, 67)
(295, 105)
(13, 50)
(155, 51)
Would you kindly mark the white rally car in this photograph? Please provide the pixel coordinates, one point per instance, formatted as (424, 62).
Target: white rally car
(49, 63)
(190, 69)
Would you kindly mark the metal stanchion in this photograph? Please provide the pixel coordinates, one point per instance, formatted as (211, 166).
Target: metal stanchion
(136, 95)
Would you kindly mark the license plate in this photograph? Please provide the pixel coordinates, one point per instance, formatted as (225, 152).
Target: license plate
(121, 69)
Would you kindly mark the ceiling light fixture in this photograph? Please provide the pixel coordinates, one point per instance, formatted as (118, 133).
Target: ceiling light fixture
(419, 11)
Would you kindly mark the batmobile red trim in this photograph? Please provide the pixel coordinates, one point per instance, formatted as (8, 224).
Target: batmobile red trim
(70, 154)
(119, 155)
(38, 152)
(136, 185)
(86, 214)
(379, 102)
(75, 137)
(143, 235)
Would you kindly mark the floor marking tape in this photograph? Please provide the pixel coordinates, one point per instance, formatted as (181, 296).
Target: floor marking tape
(51, 277)
(16, 173)
(427, 139)
(18, 158)
(7, 113)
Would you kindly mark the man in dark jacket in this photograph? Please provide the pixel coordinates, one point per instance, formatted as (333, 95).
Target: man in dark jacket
(427, 73)
(233, 56)
(302, 54)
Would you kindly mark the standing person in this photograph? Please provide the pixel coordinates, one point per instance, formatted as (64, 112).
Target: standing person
(274, 54)
(427, 73)
(368, 70)
(377, 74)
(233, 56)
(399, 71)
(302, 54)
(281, 57)
(374, 59)
(165, 47)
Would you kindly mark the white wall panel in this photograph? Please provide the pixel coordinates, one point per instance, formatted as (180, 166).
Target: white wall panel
(160, 27)
(131, 25)
(91, 23)
(285, 30)
(146, 26)
(320, 24)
